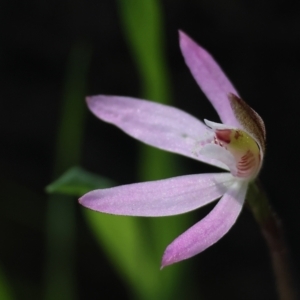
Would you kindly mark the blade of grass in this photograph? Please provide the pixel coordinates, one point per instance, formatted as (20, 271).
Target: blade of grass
(60, 282)
(143, 28)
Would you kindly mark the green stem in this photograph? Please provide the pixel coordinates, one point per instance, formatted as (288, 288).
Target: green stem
(273, 233)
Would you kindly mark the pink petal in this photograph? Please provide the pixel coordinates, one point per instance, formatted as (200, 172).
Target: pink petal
(160, 198)
(210, 229)
(210, 77)
(158, 125)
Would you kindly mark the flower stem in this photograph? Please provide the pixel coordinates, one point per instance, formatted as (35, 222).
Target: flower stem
(273, 233)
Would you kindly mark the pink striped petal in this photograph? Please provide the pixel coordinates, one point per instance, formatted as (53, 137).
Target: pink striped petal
(210, 77)
(158, 125)
(160, 198)
(210, 229)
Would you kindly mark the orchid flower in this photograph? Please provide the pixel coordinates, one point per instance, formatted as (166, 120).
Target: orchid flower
(236, 146)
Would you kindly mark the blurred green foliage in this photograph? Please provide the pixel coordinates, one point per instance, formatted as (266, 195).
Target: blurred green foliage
(5, 289)
(76, 182)
(60, 281)
(134, 245)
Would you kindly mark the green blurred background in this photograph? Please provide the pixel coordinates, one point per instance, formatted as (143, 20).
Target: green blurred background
(52, 54)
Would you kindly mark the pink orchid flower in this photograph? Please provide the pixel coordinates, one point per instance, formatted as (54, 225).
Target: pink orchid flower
(236, 146)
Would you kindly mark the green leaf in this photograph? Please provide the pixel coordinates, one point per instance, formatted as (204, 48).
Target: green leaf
(144, 31)
(142, 25)
(76, 182)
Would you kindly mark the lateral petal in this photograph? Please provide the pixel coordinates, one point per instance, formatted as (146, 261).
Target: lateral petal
(158, 125)
(210, 77)
(210, 229)
(160, 198)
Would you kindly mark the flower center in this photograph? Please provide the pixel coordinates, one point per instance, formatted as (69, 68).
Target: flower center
(243, 148)
(235, 148)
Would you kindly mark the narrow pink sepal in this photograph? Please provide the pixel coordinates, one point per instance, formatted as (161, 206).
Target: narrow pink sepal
(210, 77)
(210, 229)
(160, 198)
(158, 125)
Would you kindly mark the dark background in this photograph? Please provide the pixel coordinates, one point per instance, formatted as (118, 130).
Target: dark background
(256, 42)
